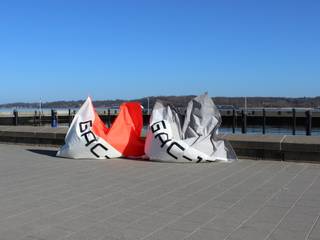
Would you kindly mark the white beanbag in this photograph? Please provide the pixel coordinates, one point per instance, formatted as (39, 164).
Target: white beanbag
(88, 137)
(192, 138)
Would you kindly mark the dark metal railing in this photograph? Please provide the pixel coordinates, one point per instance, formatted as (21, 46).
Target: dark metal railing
(244, 119)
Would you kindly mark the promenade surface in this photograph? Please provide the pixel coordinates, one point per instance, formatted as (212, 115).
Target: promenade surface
(44, 197)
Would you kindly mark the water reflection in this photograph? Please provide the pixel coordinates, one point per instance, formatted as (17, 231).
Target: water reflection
(271, 130)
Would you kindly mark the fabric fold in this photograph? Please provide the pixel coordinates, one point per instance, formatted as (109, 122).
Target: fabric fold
(190, 138)
(88, 137)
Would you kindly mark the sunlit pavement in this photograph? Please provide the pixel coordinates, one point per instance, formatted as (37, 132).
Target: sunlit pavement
(45, 197)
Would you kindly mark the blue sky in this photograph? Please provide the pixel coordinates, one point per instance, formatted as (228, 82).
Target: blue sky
(59, 49)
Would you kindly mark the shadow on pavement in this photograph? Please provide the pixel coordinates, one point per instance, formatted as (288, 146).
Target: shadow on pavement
(51, 153)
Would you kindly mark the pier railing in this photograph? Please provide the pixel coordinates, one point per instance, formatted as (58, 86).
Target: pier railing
(231, 118)
(262, 117)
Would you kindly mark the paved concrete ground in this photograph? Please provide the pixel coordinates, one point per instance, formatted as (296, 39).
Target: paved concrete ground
(44, 197)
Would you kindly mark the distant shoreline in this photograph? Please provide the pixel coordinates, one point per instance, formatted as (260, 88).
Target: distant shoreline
(181, 101)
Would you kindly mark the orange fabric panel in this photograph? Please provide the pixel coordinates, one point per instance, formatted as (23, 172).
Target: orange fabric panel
(99, 127)
(124, 134)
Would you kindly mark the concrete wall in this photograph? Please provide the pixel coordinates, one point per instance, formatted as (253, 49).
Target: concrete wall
(301, 148)
(282, 147)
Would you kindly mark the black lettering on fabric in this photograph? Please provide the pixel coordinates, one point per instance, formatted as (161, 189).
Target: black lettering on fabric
(90, 137)
(101, 147)
(171, 146)
(84, 126)
(199, 159)
(163, 138)
(185, 157)
(157, 126)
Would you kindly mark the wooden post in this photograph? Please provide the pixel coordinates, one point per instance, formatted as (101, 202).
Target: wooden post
(234, 121)
(244, 122)
(308, 122)
(35, 118)
(15, 117)
(263, 121)
(69, 117)
(294, 121)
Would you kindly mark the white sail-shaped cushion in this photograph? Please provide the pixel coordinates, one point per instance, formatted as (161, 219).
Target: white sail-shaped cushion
(82, 141)
(192, 138)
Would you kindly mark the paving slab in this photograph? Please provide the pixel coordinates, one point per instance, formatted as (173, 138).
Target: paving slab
(45, 197)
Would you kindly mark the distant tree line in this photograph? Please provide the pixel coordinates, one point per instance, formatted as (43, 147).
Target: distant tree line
(181, 101)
